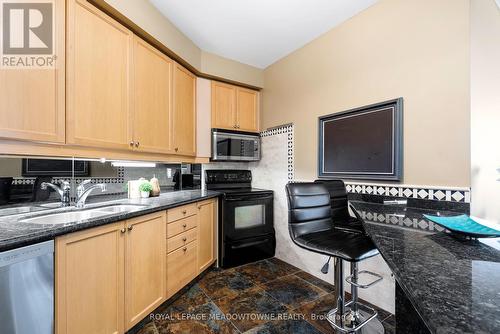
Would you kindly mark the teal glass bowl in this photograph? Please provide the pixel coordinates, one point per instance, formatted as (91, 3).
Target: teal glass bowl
(464, 225)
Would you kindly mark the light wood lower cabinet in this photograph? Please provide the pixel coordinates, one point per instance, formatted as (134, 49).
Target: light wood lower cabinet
(207, 216)
(90, 281)
(145, 272)
(181, 267)
(109, 278)
(191, 242)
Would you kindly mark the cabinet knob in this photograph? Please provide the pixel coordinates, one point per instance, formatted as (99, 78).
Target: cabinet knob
(122, 230)
(176, 149)
(184, 239)
(185, 249)
(137, 144)
(184, 212)
(131, 227)
(237, 126)
(131, 143)
(184, 225)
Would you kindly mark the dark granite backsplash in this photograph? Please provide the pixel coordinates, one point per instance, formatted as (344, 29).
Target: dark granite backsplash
(414, 202)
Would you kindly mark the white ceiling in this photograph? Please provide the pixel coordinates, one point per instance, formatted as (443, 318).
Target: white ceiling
(257, 32)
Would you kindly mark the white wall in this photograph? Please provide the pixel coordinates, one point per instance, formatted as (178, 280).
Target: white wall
(485, 109)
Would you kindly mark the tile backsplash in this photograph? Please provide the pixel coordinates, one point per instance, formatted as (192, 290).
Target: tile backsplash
(20, 176)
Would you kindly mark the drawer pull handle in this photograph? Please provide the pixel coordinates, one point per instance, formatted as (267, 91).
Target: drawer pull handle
(184, 239)
(184, 225)
(185, 249)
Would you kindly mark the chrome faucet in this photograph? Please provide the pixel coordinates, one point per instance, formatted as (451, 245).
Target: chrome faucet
(83, 193)
(63, 191)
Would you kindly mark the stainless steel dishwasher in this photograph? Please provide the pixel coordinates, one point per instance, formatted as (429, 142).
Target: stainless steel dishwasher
(27, 290)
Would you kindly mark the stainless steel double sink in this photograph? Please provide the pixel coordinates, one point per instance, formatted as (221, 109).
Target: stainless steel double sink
(72, 215)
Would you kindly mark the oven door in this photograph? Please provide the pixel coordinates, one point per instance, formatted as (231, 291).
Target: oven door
(235, 147)
(247, 216)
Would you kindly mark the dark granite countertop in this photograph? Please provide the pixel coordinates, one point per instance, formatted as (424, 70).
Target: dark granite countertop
(453, 284)
(14, 233)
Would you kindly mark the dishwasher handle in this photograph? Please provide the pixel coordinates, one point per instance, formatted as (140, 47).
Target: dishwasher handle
(21, 254)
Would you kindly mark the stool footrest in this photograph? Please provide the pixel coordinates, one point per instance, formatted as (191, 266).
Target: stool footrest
(357, 315)
(377, 278)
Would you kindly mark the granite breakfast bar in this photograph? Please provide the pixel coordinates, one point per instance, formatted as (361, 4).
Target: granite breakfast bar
(443, 284)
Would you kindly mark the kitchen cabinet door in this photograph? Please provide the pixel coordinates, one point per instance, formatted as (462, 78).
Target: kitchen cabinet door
(247, 102)
(206, 233)
(184, 112)
(223, 106)
(32, 100)
(181, 267)
(98, 78)
(145, 272)
(151, 122)
(90, 281)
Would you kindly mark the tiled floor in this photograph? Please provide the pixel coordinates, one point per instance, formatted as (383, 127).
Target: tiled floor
(264, 297)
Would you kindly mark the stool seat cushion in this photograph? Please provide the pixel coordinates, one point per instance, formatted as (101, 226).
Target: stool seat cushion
(348, 245)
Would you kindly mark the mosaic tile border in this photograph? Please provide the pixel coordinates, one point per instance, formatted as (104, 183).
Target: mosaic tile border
(119, 179)
(459, 195)
(287, 129)
(421, 224)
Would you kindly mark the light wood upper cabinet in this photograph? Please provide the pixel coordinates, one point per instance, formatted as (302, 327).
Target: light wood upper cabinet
(90, 281)
(145, 272)
(98, 78)
(32, 100)
(184, 112)
(223, 106)
(151, 121)
(247, 106)
(207, 216)
(234, 108)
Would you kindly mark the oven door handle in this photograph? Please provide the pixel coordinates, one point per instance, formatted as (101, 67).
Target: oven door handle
(251, 243)
(250, 198)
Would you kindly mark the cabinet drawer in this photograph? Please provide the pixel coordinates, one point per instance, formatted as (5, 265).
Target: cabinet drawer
(181, 239)
(181, 267)
(181, 212)
(181, 225)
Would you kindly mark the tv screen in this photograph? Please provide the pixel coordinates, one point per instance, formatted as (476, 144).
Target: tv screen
(52, 167)
(364, 143)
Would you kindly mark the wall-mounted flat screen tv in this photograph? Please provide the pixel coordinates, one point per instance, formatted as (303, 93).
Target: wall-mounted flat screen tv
(362, 143)
(57, 168)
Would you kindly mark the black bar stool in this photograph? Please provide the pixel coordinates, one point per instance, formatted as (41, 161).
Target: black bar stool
(312, 227)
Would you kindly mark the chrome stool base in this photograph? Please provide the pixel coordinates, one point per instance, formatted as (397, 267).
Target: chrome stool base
(363, 320)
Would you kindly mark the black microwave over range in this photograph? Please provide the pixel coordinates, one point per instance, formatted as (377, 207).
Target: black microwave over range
(235, 145)
(246, 218)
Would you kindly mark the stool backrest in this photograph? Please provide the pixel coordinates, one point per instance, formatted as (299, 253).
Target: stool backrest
(338, 199)
(308, 208)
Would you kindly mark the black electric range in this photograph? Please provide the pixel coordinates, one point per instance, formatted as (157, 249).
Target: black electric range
(246, 219)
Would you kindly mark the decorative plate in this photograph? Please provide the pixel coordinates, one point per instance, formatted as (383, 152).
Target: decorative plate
(465, 225)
